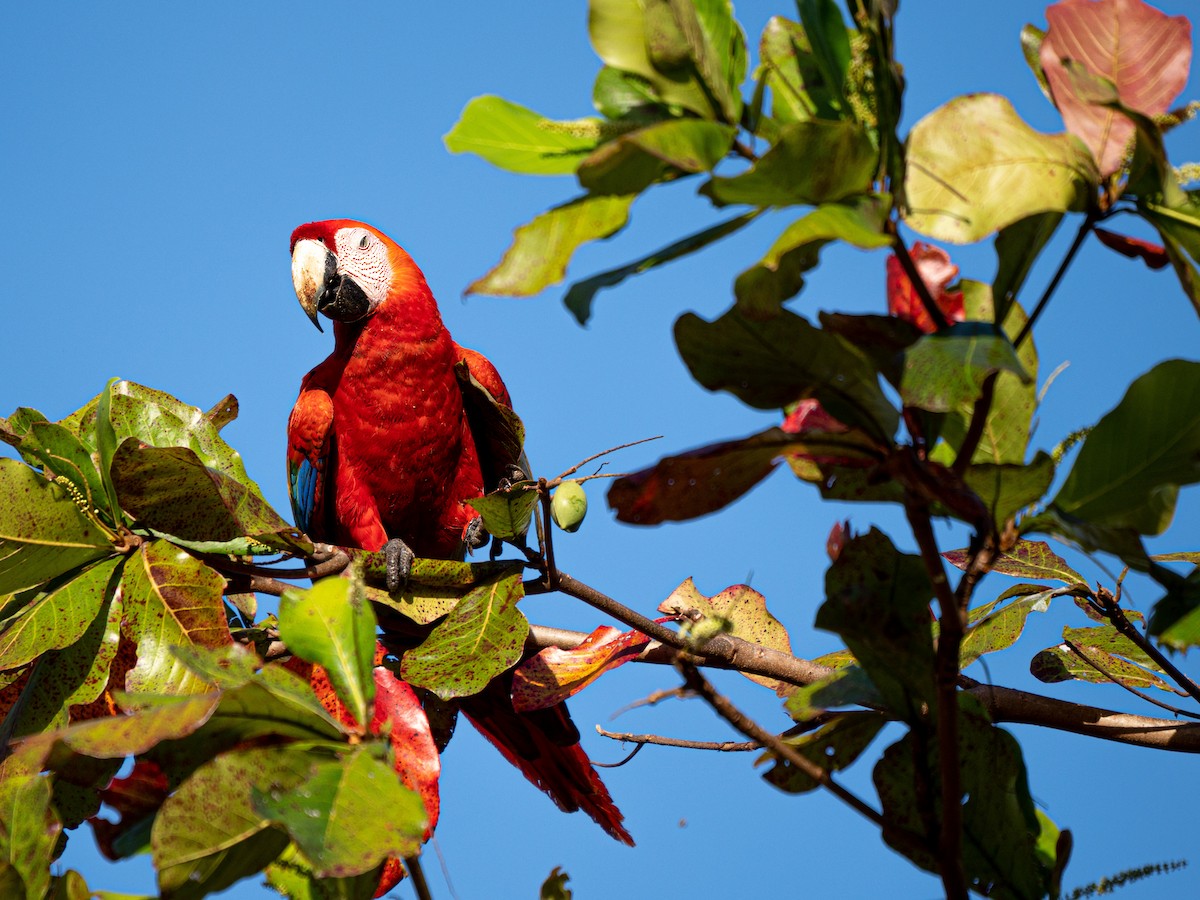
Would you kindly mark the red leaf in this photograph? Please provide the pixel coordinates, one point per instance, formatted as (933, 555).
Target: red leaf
(554, 674)
(934, 266)
(808, 416)
(839, 534)
(134, 797)
(1152, 255)
(1145, 53)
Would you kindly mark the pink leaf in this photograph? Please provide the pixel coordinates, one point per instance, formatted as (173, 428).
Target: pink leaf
(553, 675)
(1145, 53)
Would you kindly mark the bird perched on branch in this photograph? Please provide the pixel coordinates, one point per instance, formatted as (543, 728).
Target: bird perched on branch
(386, 443)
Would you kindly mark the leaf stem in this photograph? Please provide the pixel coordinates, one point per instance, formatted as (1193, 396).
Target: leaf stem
(1085, 226)
(1078, 651)
(1110, 607)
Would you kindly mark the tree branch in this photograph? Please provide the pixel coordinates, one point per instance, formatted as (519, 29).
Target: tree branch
(1078, 651)
(642, 739)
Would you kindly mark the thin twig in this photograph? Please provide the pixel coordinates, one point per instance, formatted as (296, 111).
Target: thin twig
(979, 415)
(751, 729)
(946, 660)
(330, 566)
(676, 693)
(413, 864)
(628, 758)
(661, 740)
(1111, 608)
(583, 462)
(1078, 651)
(1088, 222)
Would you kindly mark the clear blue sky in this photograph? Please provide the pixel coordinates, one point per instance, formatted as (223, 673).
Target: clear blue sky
(158, 156)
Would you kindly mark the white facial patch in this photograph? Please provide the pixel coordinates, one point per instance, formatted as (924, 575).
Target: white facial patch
(363, 257)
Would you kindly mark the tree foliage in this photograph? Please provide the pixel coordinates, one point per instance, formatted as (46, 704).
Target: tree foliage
(132, 542)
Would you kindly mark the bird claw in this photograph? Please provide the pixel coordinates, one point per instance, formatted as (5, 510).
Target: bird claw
(475, 535)
(399, 560)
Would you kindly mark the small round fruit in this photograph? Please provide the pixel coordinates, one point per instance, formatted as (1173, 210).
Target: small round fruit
(568, 506)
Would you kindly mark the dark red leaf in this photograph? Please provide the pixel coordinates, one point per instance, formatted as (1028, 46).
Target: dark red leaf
(839, 534)
(1152, 255)
(134, 797)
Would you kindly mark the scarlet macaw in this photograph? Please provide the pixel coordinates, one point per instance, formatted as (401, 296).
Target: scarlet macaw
(382, 455)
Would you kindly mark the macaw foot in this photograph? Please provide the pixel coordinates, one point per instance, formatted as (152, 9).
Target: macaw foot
(475, 535)
(398, 559)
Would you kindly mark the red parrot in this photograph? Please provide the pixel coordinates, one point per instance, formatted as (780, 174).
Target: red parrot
(382, 455)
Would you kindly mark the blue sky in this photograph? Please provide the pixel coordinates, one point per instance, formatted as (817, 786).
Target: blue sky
(158, 157)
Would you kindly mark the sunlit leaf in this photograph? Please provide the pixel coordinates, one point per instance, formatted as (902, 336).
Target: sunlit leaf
(346, 814)
(780, 273)
(744, 608)
(332, 624)
(519, 140)
(29, 831)
(541, 249)
(1000, 628)
(635, 160)
(1143, 52)
(1179, 227)
(43, 533)
(945, 370)
(552, 675)
(794, 170)
(481, 637)
(171, 599)
(506, 512)
(974, 167)
(208, 834)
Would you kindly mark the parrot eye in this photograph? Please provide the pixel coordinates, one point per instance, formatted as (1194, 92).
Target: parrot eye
(363, 242)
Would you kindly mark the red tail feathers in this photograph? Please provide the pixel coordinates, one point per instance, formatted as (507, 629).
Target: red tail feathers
(544, 745)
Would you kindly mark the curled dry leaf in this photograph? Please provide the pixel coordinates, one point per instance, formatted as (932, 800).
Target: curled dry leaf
(554, 674)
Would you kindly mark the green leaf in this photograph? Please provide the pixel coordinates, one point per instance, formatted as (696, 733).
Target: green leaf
(1031, 46)
(1000, 827)
(506, 513)
(789, 69)
(331, 624)
(95, 652)
(1017, 248)
(171, 599)
(60, 453)
(1009, 488)
(58, 618)
(692, 54)
(833, 747)
(171, 491)
(1005, 436)
(43, 532)
(1028, 559)
(780, 273)
(436, 585)
(826, 31)
(555, 886)
(999, 629)
(848, 686)
(771, 363)
(519, 140)
(660, 151)
(208, 834)
(346, 814)
(1130, 467)
(1122, 661)
(483, 636)
(580, 295)
(877, 600)
(1179, 227)
(618, 94)
(292, 876)
(29, 831)
(812, 163)
(946, 370)
(541, 249)
(974, 167)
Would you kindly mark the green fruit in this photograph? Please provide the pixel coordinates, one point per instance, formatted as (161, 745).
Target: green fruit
(568, 506)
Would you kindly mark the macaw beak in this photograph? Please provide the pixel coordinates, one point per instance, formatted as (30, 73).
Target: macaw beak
(313, 271)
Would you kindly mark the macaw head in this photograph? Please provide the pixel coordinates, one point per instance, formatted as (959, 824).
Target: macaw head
(347, 270)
